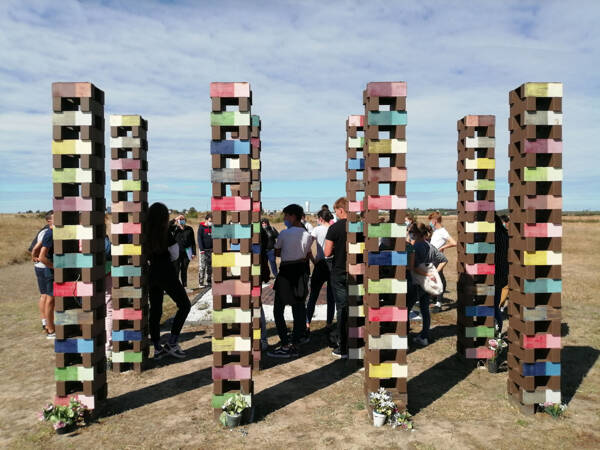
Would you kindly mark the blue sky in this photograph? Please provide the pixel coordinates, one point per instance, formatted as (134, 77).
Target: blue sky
(307, 63)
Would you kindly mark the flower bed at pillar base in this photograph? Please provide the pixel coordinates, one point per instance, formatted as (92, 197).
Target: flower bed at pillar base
(64, 418)
(383, 405)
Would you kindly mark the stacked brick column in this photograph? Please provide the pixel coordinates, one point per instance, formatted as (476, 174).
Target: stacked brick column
(355, 187)
(535, 257)
(236, 268)
(129, 189)
(385, 268)
(475, 261)
(79, 204)
(255, 189)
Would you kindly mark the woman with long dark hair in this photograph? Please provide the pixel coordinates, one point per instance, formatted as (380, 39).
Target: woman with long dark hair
(161, 249)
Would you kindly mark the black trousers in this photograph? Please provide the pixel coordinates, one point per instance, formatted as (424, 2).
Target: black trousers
(164, 280)
(182, 268)
(340, 288)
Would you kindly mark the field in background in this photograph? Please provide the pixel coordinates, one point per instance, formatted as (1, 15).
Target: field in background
(313, 401)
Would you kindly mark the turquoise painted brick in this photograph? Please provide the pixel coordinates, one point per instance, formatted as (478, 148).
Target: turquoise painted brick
(387, 118)
(542, 286)
(480, 247)
(355, 227)
(126, 271)
(74, 261)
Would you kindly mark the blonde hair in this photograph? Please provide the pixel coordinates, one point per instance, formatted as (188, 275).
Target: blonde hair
(341, 203)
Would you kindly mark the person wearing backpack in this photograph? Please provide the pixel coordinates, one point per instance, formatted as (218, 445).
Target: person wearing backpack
(43, 274)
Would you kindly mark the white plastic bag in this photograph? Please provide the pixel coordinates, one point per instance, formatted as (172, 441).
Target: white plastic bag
(430, 286)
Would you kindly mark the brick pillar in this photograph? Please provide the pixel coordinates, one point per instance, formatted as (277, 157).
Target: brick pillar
(79, 261)
(386, 316)
(129, 192)
(475, 251)
(235, 267)
(355, 187)
(535, 257)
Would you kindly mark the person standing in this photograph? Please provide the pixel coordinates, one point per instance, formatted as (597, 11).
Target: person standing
(321, 272)
(205, 246)
(335, 245)
(291, 285)
(45, 257)
(162, 249)
(441, 240)
(41, 273)
(184, 235)
(424, 253)
(108, 291)
(271, 235)
(501, 267)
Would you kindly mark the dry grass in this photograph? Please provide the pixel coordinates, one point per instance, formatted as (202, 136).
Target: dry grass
(314, 401)
(17, 231)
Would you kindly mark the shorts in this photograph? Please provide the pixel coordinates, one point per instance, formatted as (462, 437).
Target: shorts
(45, 279)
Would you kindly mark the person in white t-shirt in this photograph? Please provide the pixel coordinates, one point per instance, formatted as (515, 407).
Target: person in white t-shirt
(321, 272)
(309, 226)
(291, 285)
(441, 240)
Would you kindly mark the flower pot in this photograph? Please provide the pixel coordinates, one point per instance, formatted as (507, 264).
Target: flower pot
(233, 420)
(378, 419)
(492, 366)
(65, 429)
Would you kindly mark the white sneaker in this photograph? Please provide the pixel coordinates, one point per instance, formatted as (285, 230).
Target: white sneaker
(421, 341)
(415, 316)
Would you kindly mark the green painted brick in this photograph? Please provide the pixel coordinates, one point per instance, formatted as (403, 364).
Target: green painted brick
(74, 373)
(479, 332)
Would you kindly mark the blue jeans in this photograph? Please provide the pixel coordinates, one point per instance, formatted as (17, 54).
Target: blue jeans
(417, 294)
(272, 263)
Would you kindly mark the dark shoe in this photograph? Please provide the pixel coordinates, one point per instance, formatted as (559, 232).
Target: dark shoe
(174, 350)
(305, 339)
(338, 353)
(436, 309)
(159, 354)
(283, 352)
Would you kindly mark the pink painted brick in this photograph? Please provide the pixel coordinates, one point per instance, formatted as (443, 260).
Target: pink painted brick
(232, 287)
(387, 174)
(256, 207)
(86, 400)
(480, 205)
(356, 332)
(232, 372)
(543, 202)
(72, 204)
(480, 269)
(256, 291)
(479, 353)
(220, 89)
(386, 202)
(255, 142)
(126, 228)
(388, 314)
(355, 120)
(125, 164)
(73, 289)
(231, 203)
(356, 269)
(387, 89)
(541, 341)
(127, 314)
(122, 207)
(480, 121)
(543, 230)
(355, 206)
(543, 146)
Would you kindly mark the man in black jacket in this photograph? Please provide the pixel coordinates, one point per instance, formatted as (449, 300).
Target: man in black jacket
(184, 235)
(205, 245)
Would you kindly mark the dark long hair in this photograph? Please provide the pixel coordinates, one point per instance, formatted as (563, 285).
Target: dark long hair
(156, 229)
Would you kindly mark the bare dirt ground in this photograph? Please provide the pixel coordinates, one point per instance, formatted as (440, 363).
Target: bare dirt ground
(313, 401)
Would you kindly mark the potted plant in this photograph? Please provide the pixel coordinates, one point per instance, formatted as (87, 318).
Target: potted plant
(496, 346)
(383, 406)
(401, 419)
(232, 410)
(64, 418)
(556, 410)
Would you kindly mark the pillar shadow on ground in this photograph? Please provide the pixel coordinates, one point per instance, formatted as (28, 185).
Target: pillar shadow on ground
(434, 382)
(576, 362)
(156, 392)
(318, 341)
(196, 352)
(288, 391)
(435, 333)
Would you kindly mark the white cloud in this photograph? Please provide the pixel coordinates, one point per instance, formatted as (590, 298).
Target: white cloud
(307, 62)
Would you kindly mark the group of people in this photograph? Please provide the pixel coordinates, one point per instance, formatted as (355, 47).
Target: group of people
(170, 246)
